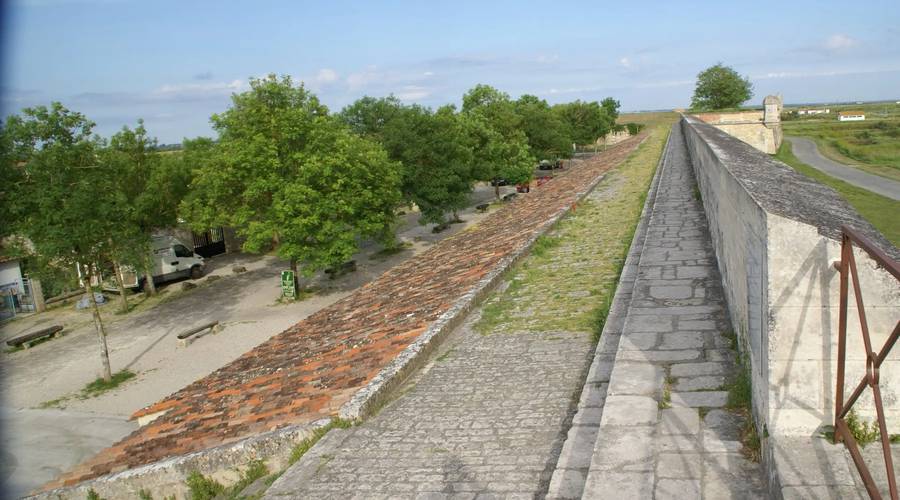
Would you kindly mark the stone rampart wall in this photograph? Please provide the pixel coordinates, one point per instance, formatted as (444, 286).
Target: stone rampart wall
(748, 126)
(776, 235)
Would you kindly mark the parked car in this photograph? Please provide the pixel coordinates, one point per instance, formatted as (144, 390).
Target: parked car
(499, 181)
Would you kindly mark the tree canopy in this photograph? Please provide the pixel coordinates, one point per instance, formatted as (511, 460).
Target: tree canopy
(720, 87)
(499, 144)
(588, 121)
(548, 136)
(438, 173)
(64, 198)
(286, 173)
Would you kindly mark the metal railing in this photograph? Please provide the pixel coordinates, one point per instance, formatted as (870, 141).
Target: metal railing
(847, 268)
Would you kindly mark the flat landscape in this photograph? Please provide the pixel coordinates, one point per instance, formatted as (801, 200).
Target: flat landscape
(872, 145)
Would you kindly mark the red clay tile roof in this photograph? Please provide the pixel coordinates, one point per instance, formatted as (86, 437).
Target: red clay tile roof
(308, 371)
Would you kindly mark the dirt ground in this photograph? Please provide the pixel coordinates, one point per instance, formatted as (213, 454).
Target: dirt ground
(46, 379)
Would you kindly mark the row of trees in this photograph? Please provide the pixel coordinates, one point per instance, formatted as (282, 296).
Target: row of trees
(283, 171)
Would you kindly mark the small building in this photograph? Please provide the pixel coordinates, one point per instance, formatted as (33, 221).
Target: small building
(851, 116)
(814, 111)
(15, 290)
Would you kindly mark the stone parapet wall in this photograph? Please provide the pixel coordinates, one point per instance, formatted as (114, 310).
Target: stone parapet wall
(752, 127)
(776, 235)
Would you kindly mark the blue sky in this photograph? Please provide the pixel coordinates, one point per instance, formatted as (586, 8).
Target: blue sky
(176, 63)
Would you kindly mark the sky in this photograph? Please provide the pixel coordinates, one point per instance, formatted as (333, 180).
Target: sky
(174, 64)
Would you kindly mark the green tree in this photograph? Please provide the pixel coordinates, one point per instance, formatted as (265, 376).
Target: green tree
(499, 145)
(65, 200)
(287, 174)
(720, 87)
(547, 134)
(588, 121)
(153, 185)
(437, 160)
(368, 116)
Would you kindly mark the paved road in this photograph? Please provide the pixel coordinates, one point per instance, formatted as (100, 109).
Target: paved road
(75, 436)
(805, 150)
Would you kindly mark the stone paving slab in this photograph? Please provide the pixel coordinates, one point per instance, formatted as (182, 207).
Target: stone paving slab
(663, 432)
(310, 370)
(813, 468)
(570, 474)
(484, 420)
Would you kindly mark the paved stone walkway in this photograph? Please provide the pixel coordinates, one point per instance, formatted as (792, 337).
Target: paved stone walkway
(685, 445)
(485, 421)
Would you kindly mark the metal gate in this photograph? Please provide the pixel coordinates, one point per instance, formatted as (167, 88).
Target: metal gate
(210, 243)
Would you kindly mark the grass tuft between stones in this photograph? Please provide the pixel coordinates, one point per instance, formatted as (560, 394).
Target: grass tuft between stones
(740, 400)
(305, 445)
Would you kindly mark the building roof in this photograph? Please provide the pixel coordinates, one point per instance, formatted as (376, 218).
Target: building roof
(852, 113)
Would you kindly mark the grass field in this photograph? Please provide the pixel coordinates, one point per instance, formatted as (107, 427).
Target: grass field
(568, 280)
(882, 212)
(649, 119)
(872, 145)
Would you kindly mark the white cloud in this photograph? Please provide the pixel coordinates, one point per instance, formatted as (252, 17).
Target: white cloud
(363, 78)
(812, 74)
(428, 73)
(200, 88)
(547, 59)
(326, 76)
(413, 93)
(624, 62)
(840, 42)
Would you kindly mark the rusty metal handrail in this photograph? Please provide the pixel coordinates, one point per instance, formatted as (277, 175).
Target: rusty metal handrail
(847, 268)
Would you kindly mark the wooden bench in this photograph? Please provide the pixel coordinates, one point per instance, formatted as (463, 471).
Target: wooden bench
(184, 338)
(28, 338)
(346, 267)
(483, 207)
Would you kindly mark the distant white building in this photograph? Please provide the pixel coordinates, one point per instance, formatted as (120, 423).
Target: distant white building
(814, 111)
(851, 116)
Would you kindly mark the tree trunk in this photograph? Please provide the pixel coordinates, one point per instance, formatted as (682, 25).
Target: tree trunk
(497, 191)
(98, 325)
(149, 285)
(123, 299)
(296, 274)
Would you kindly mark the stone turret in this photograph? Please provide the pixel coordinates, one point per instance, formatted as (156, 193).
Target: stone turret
(773, 105)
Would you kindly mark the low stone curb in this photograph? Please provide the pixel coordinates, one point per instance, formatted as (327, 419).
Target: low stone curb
(219, 463)
(570, 473)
